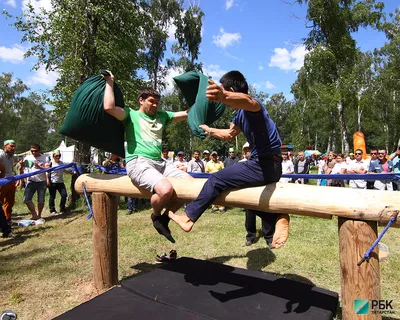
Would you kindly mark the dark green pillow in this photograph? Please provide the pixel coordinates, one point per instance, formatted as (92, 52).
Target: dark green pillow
(193, 85)
(86, 120)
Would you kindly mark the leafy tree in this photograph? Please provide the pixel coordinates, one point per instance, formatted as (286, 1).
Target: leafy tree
(332, 63)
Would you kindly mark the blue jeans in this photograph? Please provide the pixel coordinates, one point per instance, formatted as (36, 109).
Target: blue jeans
(32, 187)
(252, 173)
(132, 203)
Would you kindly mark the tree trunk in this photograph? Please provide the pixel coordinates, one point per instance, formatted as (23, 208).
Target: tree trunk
(343, 128)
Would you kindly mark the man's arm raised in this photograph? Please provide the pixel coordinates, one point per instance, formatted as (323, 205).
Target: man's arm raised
(109, 99)
(235, 100)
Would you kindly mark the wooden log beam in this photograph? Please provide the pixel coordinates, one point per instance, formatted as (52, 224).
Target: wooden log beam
(315, 201)
(358, 282)
(104, 240)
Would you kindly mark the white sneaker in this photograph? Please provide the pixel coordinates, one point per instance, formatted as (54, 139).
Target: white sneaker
(54, 213)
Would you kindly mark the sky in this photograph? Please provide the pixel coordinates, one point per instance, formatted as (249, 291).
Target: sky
(260, 38)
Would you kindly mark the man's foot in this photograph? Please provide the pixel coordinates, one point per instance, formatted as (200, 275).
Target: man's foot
(213, 209)
(10, 235)
(249, 242)
(222, 210)
(160, 223)
(183, 221)
(281, 231)
(130, 212)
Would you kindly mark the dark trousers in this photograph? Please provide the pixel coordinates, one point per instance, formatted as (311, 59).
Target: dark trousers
(251, 173)
(53, 188)
(132, 203)
(268, 221)
(5, 227)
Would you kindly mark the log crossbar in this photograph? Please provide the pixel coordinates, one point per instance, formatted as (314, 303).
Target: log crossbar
(314, 201)
(359, 211)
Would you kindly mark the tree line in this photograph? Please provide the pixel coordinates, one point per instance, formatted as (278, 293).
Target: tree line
(339, 90)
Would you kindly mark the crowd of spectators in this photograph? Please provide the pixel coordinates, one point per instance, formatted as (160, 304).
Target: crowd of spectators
(334, 163)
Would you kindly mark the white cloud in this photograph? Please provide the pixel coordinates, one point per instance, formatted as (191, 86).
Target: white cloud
(214, 71)
(170, 81)
(286, 60)
(41, 76)
(14, 55)
(37, 5)
(260, 67)
(171, 32)
(228, 4)
(11, 3)
(225, 39)
(256, 86)
(269, 85)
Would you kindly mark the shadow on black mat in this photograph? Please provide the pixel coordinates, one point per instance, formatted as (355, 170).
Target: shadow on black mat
(220, 285)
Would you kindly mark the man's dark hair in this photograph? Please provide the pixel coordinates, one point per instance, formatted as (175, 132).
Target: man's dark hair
(149, 92)
(196, 151)
(35, 146)
(236, 81)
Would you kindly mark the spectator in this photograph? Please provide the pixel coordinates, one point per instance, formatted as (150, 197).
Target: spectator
(301, 166)
(196, 164)
(4, 225)
(395, 158)
(19, 167)
(37, 183)
(340, 167)
(214, 165)
(7, 192)
(113, 163)
(165, 156)
(246, 152)
(382, 165)
(350, 158)
(232, 159)
(55, 182)
(358, 166)
(287, 167)
(374, 157)
(321, 162)
(206, 156)
(181, 163)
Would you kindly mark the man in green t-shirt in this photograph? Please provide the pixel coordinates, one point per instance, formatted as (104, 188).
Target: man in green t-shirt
(144, 131)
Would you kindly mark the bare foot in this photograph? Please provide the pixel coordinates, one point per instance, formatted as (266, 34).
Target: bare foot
(183, 221)
(281, 231)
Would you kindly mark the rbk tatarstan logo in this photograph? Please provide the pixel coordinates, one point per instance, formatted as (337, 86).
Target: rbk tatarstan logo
(361, 306)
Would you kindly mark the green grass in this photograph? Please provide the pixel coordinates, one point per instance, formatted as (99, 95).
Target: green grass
(47, 271)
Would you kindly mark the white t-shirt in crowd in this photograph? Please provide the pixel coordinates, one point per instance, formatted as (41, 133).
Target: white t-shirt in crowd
(287, 166)
(357, 165)
(42, 161)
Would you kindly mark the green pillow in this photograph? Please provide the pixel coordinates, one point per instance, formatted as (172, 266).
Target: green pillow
(193, 85)
(86, 120)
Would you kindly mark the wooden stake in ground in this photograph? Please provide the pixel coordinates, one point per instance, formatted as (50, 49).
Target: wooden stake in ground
(358, 282)
(105, 239)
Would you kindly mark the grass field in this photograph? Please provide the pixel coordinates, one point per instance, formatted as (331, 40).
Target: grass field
(47, 270)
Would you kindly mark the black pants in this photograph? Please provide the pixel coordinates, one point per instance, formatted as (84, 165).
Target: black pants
(5, 227)
(267, 225)
(53, 188)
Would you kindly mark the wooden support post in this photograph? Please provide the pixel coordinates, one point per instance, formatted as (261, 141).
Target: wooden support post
(358, 282)
(105, 256)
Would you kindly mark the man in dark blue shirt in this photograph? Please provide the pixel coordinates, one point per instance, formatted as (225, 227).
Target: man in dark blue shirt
(264, 165)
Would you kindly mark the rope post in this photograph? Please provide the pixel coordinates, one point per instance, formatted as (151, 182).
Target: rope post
(358, 282)
(104, 240)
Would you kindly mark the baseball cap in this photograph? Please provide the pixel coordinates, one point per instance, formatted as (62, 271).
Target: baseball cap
(206, 151)
(246, 145)
(214, 152)
(351, 154)
(231, 149)
(180, 153)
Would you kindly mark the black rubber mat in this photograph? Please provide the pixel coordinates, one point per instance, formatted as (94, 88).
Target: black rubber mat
(189, 288)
